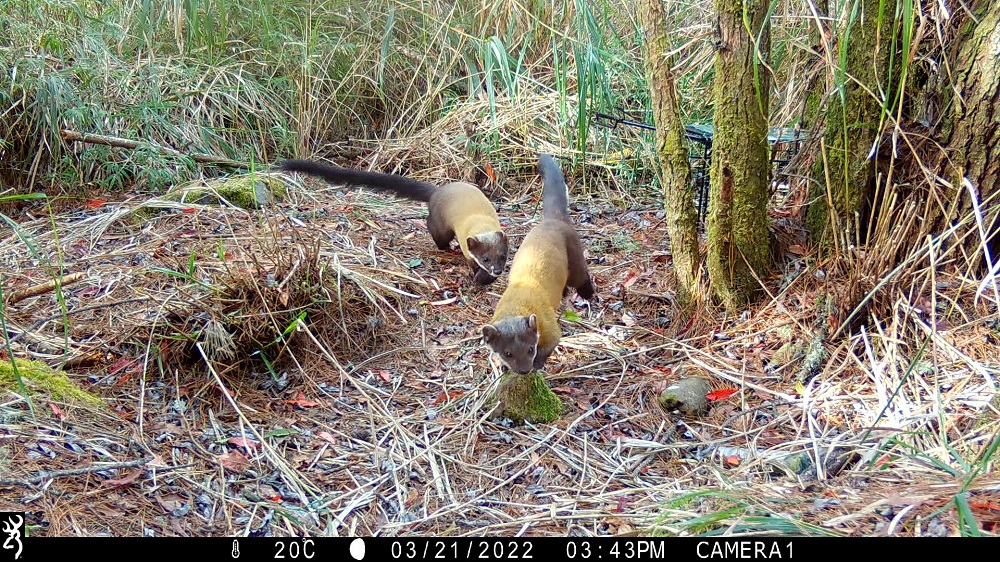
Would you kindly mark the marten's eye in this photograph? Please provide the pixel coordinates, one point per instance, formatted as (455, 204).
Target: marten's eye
(508, 354)
(487, 260)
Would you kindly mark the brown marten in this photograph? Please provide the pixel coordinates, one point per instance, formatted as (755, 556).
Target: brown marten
(525, 327)
(456, 210)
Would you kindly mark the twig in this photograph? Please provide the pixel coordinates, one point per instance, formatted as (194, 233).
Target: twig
(131, 144)
(46, 474)
(35, 290)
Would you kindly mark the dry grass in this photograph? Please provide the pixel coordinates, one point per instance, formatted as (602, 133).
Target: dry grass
(387, 433)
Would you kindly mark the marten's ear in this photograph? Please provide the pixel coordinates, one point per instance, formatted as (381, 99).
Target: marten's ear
(473, 243)
(532, 322)
(490, 333)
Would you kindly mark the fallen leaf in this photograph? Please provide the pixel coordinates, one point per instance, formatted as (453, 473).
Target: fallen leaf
(490, 173)
(247, 444)
(171, 502)
(720, 394)
(383, 374)
(57, 411)
(301, 402)
(95, 203)
(189, 210)
(797, 249)
(449, 396)
(620, 508)
(326, 436)
(732, 460)
(630, 279)
(994, 506)
(234, 461)
(124, 480)
(120, 364)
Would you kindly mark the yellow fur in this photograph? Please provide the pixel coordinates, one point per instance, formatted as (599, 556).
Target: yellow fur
(536, 281)
(465, 209)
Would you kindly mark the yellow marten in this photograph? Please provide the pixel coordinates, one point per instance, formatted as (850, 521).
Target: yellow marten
(456, 210)
(525, 327)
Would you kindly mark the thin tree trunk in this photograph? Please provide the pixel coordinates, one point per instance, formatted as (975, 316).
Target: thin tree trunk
(672, 152)
(843, 181)
(739, 241)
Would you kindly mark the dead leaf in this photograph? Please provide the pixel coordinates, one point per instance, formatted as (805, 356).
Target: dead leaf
(732, 460)
(326, 436)
(247, 444)
(449, 396)
(95, 203)
(171, 502)
(234, 461)
(490, 173)
(383, 374)
(125, 480)
(301, 402)
(797, 249)
(57, 411)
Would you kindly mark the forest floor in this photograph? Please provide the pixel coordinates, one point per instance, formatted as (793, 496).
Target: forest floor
(371, 414)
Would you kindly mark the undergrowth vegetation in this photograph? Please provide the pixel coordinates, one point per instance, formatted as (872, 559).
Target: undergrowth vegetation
(881, 354)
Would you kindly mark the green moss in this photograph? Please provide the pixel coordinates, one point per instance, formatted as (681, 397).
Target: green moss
(250, 191)
(38, 375)
(527, 398)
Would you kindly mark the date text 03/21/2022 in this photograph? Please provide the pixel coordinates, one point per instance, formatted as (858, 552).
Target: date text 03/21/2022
(585, 549)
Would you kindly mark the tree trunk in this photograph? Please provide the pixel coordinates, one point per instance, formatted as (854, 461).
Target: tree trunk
(972, 134)
(843, 181)
(739, 242)
(672, 152)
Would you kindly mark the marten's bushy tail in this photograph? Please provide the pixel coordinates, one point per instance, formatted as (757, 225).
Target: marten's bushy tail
(555, 197)
(400, 185)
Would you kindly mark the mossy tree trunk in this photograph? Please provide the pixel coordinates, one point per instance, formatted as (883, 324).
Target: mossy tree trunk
(739, 242)
(672, 151)
(972, 133)
(819, 41)
(839, 194)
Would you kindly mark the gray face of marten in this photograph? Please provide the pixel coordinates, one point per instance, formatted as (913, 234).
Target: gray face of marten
(515, 340)
(489, 251)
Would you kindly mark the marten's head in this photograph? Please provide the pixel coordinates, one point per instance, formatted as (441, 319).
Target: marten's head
(515, 340)
(489, 250)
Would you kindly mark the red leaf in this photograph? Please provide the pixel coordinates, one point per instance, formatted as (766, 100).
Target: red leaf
(276, 498)
(234, 462)
(384, 375)
(245, 443)
(732, 460)
(449, 396)
(326, 436)
(720, 394)
(630, 279)
(985, 505)
(120, 364)
(189, 210)
(57, 411)
(686, 327)
(124, 480)
(620, 508)
(95, 203)
(301, 402)
(189, 232)
(490, 173)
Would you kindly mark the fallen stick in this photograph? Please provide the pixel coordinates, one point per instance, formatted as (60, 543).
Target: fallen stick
(47, 474)
(131, 144)
(35, 290)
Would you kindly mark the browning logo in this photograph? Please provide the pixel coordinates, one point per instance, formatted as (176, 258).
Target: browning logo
(11, 527)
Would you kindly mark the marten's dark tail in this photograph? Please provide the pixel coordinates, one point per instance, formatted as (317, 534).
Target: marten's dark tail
(400, 185)
(555, 197)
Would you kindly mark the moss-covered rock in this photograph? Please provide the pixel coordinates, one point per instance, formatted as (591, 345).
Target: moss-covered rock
(689, 396)
(39, 377)
(252, 191)
(528, 397)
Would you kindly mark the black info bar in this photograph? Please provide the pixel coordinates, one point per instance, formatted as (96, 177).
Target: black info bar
(544, 549)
